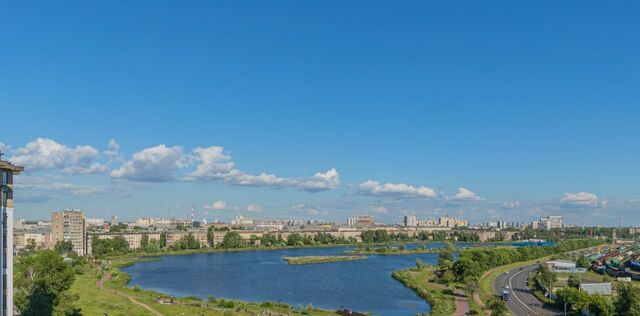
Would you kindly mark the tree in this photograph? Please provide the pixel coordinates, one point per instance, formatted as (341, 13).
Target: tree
(144, 241)
(448, 277)
(30, 248)
(163, 240)
(294, 239)
(628, 302)
(42, 284)
(268, 239)
(120, 244)
(583, 262)
(63, 247)
(367, 236)
(210, 236)
(497, 307)
(601, 305)
(382, 236)
(574, 280)
(231, 240)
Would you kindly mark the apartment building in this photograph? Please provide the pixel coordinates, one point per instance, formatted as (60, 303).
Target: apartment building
(70, 225)
(7, 171)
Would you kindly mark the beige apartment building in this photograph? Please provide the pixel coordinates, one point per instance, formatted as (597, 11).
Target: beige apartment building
(69, 225)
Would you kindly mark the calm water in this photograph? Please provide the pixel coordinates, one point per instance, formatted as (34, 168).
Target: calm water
(362, 285)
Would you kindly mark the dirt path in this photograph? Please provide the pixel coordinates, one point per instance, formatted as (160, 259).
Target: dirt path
(462, 305)
(107, 277)
(479, 301)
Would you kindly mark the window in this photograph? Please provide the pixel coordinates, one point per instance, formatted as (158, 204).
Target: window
(4, 177)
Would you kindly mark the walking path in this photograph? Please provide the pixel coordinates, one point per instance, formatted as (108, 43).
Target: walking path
(479, 301)
(462, 305)
(107, 277)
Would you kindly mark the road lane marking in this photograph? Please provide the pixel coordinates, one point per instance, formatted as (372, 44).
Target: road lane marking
(514, 292)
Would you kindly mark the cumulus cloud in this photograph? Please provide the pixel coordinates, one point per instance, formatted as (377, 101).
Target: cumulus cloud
(47, 154)
(581, 199)
(154, 164)
(396, 190)
(215, 165)
(464, 194)
(254, 208)
(217, 205)
(112, 149)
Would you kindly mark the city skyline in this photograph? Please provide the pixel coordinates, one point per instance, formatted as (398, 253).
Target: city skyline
(390, 116)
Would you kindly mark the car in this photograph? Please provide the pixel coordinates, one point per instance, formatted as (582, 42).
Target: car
(506, 272)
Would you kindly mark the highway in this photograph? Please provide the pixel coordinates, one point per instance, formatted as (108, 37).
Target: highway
(522, 302)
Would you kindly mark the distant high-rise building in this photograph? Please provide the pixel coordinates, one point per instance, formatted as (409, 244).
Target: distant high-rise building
(7, 171)
(410, 221)
(70, 225)
(551, 222)
(446, 221)
(361, 221)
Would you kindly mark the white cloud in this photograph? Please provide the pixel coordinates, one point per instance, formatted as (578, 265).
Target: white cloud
(582, 199)
(47, 154)
(379, 209)
(112, 149)
(511, 204)
(254, 208)
(154, 164)
(53, 185)
(215, 165)
(464, 194)
(217, 205)
(398, 190)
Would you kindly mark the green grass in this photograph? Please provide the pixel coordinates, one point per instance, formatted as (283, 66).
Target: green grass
(321, 259)
(391, 251)
(94, 301)
(421, 281)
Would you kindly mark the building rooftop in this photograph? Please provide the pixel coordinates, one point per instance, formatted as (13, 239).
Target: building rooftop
(9, 166)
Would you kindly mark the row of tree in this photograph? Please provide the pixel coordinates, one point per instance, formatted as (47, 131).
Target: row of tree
(472, 262)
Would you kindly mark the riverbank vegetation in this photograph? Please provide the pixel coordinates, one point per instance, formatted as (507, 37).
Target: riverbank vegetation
(392, 250)
(321, 259)
(473, 262)
(423, 280)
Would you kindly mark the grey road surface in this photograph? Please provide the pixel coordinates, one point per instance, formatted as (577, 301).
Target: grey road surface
(521, 302)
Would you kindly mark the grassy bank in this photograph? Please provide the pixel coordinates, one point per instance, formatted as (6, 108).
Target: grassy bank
(422, 281)
(391, 251)
(321, 259)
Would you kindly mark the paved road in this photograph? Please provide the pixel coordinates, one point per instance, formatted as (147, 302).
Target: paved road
(522, 302)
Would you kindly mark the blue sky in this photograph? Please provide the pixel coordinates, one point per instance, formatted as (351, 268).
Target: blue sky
(530, 107)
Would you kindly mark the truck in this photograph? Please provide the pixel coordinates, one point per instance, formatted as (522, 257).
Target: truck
(505, 294)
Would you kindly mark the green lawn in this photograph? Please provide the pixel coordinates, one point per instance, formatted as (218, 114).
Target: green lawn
(437, 295)
(94, 301)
